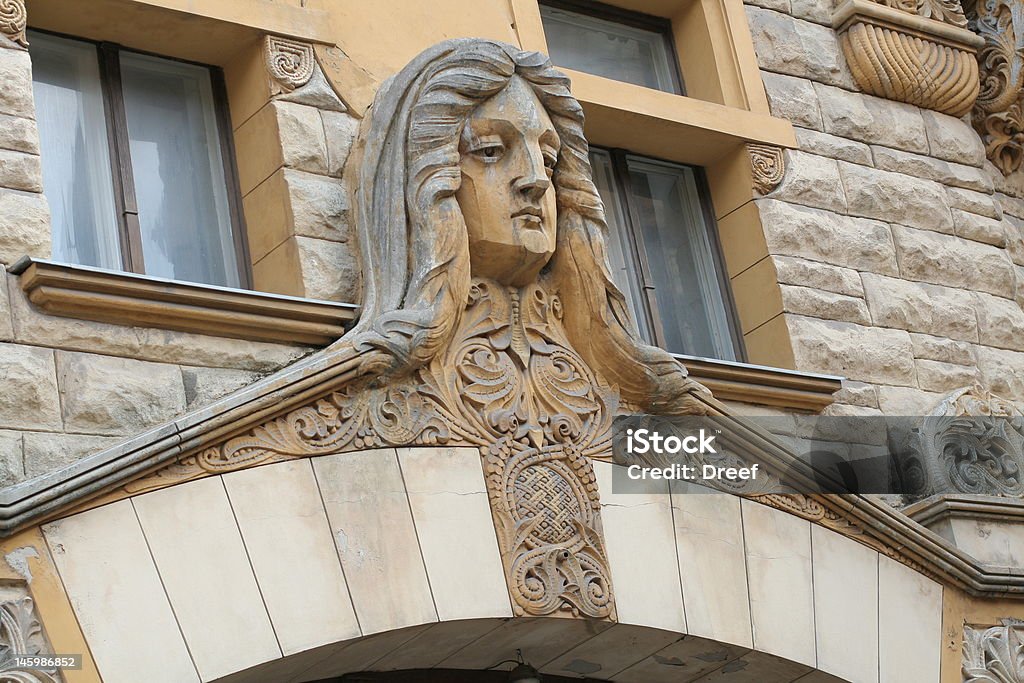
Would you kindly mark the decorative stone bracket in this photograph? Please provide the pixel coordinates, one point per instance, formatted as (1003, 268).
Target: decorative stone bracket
(295, 74)
(914, 51)
(13, 19)
(995, 654)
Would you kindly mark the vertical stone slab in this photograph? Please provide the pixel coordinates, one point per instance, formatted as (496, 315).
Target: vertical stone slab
(286, 533)
(909, 624)
(709, 538)
(368, 509)
(198, 549)
(778, 548)
(845, 606)
(453, 521)
(640, 536)
(113, 585)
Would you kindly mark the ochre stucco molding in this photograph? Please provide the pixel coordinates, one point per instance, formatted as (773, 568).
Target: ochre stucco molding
(920, 53)
(13, 20)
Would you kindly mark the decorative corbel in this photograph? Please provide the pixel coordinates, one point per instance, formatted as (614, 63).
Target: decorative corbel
(296, 76)
(13, 19)
(994, 654)
(768, 166)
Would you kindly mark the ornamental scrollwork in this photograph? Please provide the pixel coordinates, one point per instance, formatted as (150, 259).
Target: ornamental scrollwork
(289, 62)
(768, 166)
(13, 20)
(994, 654)
(22, 634)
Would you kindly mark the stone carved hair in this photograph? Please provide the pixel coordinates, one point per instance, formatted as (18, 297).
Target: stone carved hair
(413, 238)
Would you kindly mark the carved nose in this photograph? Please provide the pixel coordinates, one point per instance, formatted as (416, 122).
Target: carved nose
(533, 186)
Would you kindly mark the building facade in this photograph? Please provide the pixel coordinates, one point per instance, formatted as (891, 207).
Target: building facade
(317, 315)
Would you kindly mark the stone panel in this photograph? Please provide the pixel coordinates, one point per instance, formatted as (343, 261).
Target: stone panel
(19, 134)
(887, 196)
(16, 84)
(919, 307)
(821, 304)
(28, 388)
(798, 271)
(798, 48)
(330, 270)
(319, 206)
(811, 180)
(303, 143)
(981, 229)
(975, 202)
(833, 146)
(340, 129)
(909, 624)
(871, 120)
(793, 99)
(951, 139)
(939, 170)
(20, 171)
(954, 262)
(942, 349)
(867, 354)
(934, 375)
(1000, 322)
(1002, 371)
(24, 225)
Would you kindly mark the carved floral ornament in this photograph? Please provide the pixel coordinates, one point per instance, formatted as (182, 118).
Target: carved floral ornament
(13, 19)
(994, 654)
(22, 634)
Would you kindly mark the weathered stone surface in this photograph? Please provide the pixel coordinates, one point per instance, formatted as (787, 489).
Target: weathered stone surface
(28, 388)
(24, 226)
(951, 139)
(798, 48)
(906, 401)
(20, 171)
(1000, 322)
(106, 395)
(822, 304)
(797, 271)
(866, 354)
(1010, 205)
(818, 11)
(1002, 371)
(12, 463)
(971, 226)
(16, 85)
(833, 146)
(46, 451)
(819, 235)
(871, 119)
(6, 319)
(793, 99)
(942, 349)
(19, 134)
(933, 375)
(895, 197)
(949, 260)
(857, 394)
(777, 5)
(205, 385)
(1014, 230)
(303, 144)
(319, 205)
(939, 170)
(330, 270)
(1019, 293)
(811, 180)
(976, 202)
(918, 307)
(340, 129)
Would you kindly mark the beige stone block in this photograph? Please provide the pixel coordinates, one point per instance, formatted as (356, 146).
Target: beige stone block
(16, 84)
(833, 146)
(934, 375)
(777, 5)
(981, 203)
(18, 134)
(198, 549)
(821, 304)
(12, 460)
(919, 307)
(909, 624)
(939, 170)
(895, 197)
(109, 395)
(20, 171)
(870, 119)
(709, 540)
(640, 561)
(6, 316)
(373, 529)
(904, 401)
(169, 346)
(971, 226)
(113, 586)
(453, 520)
(942, 349)
(292, 552)
(856, 393)
(818, 11)
(689, 659)
(49, 451)
(1000, 322)
(303, 144)
(319, 206)
(330, 270)
(340, 130)
(798, 271)
(205, 385)
(825, 236)
(1003, 371)
(1019, 293)
(845, 606)
(28, 388)
(952, 261)
(798, 48)
(866, 354)
(793, 99)
(952, 139)
(611, 651)
(778, 549)
(24, 226)
(811, 180)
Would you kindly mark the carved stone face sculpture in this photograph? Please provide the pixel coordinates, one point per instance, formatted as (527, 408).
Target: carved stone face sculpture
(508, 150)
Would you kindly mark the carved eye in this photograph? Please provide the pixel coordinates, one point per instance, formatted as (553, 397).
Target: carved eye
(490, 152)
(550, 160)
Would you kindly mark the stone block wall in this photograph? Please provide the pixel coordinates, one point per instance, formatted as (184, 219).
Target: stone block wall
(899, 247)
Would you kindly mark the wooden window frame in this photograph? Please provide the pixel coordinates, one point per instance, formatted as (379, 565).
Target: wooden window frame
(647, 22)
(638, 251)
(125, 203)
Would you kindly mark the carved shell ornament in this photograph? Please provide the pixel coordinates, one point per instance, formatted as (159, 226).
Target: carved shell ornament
(489, 317)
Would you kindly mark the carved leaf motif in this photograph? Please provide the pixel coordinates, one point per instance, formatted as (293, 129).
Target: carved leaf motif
(994, 655)
(21, 633)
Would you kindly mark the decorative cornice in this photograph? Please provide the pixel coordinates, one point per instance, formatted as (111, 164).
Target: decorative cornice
(768, 166)
(13, 19)
(913, 51)
(994, 654)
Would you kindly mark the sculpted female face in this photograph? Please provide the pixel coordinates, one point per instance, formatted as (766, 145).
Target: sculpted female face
(509, 148)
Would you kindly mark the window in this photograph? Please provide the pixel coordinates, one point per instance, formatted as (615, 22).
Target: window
(664, 254)
(136, 164)
(606, 41)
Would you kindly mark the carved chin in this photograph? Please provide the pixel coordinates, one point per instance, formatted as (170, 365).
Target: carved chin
(511, 264)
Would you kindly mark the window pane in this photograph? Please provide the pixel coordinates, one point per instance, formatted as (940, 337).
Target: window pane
(687, 290)
(607, 48)
(620, 251)
(179, 172)
(75, 153)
